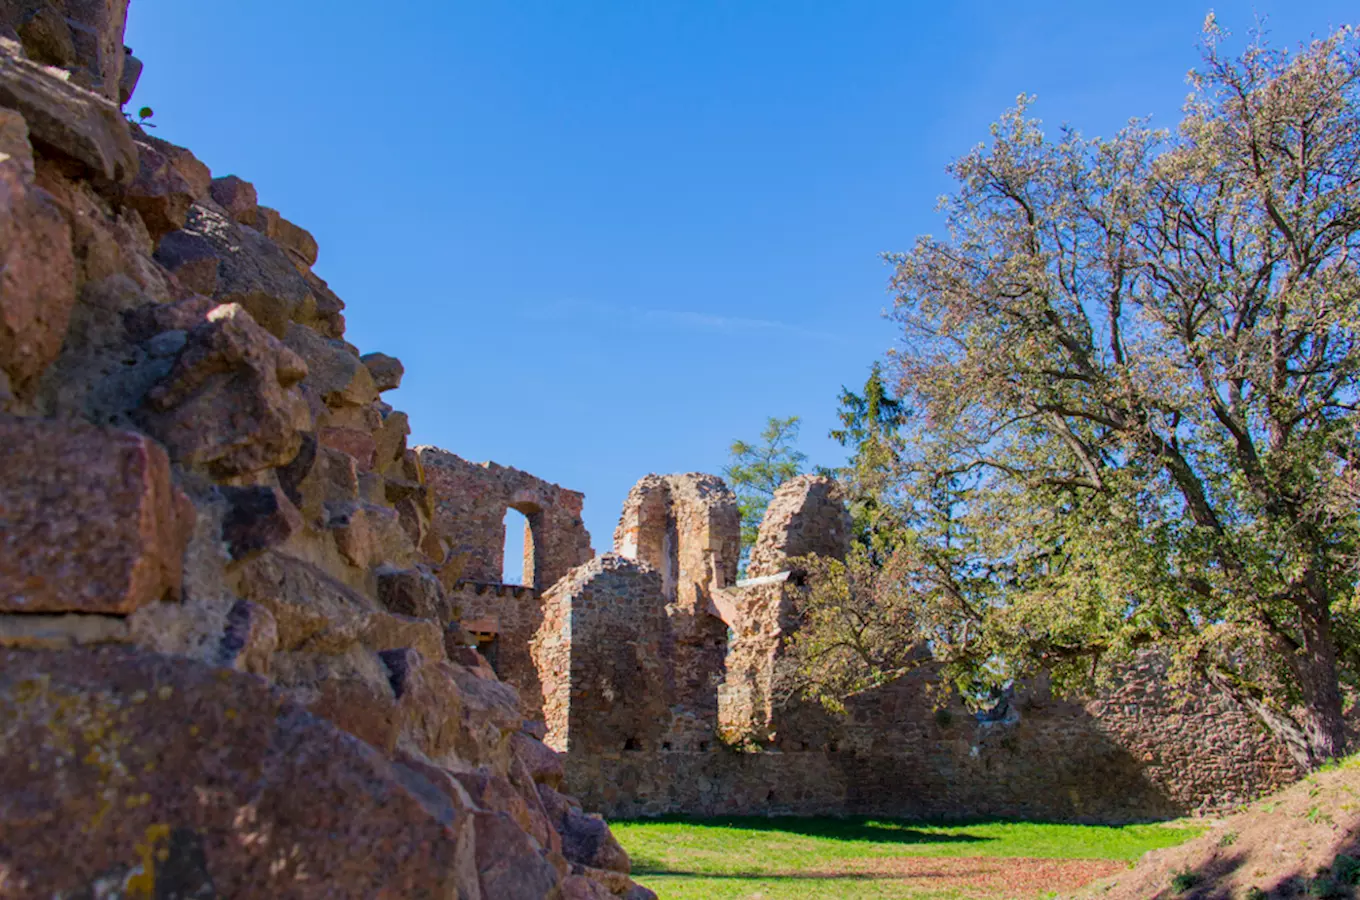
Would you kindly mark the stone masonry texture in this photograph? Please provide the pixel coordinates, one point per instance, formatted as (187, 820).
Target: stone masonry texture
(231, 657)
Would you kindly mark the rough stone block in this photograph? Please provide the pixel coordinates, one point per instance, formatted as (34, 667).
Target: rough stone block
(386, 370)
(89, 519)
(67, 120)
(194, 765)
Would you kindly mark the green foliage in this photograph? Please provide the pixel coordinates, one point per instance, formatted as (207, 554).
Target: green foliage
(1256, 893)
(871, 423)
(1134, 365)
(756, 470)
(143, 115)
(1184, 880)
(1346, 869)
(1228, 839)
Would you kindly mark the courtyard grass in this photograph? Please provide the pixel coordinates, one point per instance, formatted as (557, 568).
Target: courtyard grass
(876, 859)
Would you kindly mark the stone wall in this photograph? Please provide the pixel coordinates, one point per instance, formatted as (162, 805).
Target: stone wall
(688, 528)
(603, 659)
(220, 587)
(805, 516)
(471, 501)
(1135, 752)
(1132, 754)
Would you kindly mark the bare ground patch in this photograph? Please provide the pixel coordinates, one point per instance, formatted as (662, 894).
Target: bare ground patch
(1003, 878)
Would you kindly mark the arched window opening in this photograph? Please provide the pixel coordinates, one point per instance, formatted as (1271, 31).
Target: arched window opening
(518, 567)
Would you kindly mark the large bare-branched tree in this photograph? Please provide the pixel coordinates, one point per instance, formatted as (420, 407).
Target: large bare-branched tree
(1134, 367)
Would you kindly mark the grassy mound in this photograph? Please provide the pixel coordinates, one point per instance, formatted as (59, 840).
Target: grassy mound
(1301, 842)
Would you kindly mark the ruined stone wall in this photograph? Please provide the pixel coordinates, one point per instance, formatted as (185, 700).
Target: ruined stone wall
(805, 516)
(1132, 754)
(219, 585)
(513, 613)
(603, 657)
(688, 528)
(471, 501)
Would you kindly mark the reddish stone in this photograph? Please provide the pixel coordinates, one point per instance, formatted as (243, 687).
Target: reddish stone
(89, 519)
(205, 782)
(37, 265)
(358, 444)
(237, 196)
(228, 405)
(160, 193)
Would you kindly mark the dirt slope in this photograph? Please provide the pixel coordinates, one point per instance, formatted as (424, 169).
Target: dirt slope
(1303, 841)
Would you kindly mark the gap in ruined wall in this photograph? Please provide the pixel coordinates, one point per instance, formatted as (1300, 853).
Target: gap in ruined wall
(518, 565)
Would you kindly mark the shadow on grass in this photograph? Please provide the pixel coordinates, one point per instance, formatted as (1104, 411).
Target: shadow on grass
(760, 876)
(849, 829)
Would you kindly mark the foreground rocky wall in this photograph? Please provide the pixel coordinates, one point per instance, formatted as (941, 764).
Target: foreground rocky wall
(230, 663)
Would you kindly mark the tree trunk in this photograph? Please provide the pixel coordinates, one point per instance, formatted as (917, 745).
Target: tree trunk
(1314, 667)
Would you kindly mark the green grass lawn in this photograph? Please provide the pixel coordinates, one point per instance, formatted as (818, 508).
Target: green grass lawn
(793, 859)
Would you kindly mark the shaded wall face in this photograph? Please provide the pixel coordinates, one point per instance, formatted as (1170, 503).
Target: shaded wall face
(688, 528)
(1132, 753)
(806, 516)
(601, 657)
(471, 501)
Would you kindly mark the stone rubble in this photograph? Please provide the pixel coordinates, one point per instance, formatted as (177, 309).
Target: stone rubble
(231, 662)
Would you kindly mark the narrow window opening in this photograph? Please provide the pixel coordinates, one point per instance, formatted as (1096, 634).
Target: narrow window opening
(517, 566)
(632, 744)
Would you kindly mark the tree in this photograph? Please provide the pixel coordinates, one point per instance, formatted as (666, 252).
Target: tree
(1135, 365)
(870, 426)
(756, 470)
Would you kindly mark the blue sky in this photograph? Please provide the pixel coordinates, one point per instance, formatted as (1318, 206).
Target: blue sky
(606, 238)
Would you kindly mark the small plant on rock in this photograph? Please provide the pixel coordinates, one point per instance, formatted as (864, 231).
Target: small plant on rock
(1228, 839)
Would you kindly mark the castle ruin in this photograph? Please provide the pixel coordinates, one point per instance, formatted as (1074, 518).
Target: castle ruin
(654, 670)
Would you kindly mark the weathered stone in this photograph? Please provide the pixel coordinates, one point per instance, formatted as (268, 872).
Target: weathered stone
(65, 120)
(541, 762)
(386, 370)
(471, 503)
(314, 612)
(236, 196)
(413, 592)
(351, 689)
(806, 516)
(249, 638)
(194, 766)
(160, 192)
(37, 266)
(97, 31)
(389, 631)
(587, 840)
(132, 73)
(147, 321)
(367, 534)
(496, 793)
(228, 405)
(60, 632)
(390, 442)
(192, 259)
(358, 444)
(89, 519)
(604, 625)
(250, 269)
(46, 36)
(334, 372)
(327, 318)
(258, 517)
(509, 862)
(296, 241)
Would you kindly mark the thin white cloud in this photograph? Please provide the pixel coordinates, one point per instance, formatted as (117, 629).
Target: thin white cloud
(697, 321)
